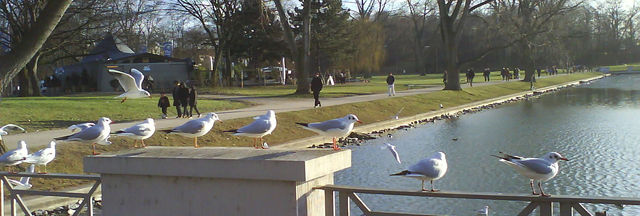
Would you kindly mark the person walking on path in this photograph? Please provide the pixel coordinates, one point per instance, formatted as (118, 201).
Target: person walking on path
(539, 71)
(184, 99)
(316, 87)
(176, 98)
(163, 103)
(516, 73)
(486, 73)
(193, 94)
(444, 77)
(470, 75)
(390, 85)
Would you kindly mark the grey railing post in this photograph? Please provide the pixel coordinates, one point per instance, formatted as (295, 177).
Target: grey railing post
(343, 198)
(329, 203)
(13, 204)
(1, 198)
(546, 208)
(566, 209)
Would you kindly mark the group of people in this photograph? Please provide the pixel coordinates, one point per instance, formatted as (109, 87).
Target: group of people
(183, 98)
(506, 74)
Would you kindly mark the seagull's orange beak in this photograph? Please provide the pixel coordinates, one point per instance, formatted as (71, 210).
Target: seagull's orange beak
(359, 121)
(564, 159)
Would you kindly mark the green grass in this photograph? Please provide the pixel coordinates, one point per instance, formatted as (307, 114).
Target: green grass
(623, 67)
(69, 156)
(376, 84)
(45, 113)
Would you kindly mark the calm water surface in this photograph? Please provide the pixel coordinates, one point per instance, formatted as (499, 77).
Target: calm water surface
(596, 126)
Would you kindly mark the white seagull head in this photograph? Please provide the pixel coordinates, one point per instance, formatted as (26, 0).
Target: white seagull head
(150, 121)
(144, 93)
(439, 155)
(104, 121)
(212, 116)
(351, 118)
(554, 157)
(271, 114)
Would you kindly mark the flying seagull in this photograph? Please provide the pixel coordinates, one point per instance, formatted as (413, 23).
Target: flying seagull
(262, 125)
(393, 151)
(131, 83)
(428, 169)
(333, 128)
(43, 156)
(140, 131)
(541, 169)
(99, 133)
(195, 128)
(23, 183)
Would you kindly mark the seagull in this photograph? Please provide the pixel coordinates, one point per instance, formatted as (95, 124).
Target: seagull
(392, 148)
(140, 131)
(483, 211)
(16, 156)
(99, 133)
(79, 127)
(23, 184)
(262, 125)
(4, 130)
(131, 83)
(339, 127)
(541, 169)
(195, 128)
(43, 157)
(397, 116)
(431, 168)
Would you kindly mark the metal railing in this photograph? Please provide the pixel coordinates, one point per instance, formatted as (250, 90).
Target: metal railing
(545, 204)
(15, 194)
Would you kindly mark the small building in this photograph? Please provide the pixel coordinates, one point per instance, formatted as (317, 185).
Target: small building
(91, 73)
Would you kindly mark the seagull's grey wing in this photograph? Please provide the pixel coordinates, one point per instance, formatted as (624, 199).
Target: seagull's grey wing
(139, 129)
(80, 127)
(327, 125)
(425, 167)
(138, 77)
(126, 81)
(258, 126)
(192, 127)
(87, 134)
(10, 127)
(535, 164)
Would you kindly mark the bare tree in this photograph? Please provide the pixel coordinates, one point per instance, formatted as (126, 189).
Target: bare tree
(31, 40)
(419, 12)
(304, 56)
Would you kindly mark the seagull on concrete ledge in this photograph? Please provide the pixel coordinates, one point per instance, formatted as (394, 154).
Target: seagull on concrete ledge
(140, 131)
(541, 169)
(195, 128)
(131, 83)
(43, 156)
(99, 133)
(16, 156)
(262, 125)
(334, 128)
(428, 169)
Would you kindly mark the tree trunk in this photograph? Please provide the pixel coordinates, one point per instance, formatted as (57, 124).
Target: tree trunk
(451, 54)
(32, 41)
(32, 68)
(527, 61)
(303, 82)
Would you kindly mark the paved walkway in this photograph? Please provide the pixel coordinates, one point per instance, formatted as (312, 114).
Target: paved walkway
(43, 138)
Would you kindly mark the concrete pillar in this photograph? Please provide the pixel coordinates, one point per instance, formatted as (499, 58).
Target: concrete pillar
(215, 181)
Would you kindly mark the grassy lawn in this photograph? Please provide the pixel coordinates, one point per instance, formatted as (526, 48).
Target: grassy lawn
(45, 113)
(623, 67)
(376, 84)
(69, 159)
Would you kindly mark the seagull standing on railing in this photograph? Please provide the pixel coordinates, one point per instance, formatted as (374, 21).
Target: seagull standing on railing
(195, 128)
(140, 131)
(43, 156)
(99, 133)
(16, 156)
(541, 169)
(262, 126)
(23, 183)
(131, 83)
(428, 169)
(334, 128)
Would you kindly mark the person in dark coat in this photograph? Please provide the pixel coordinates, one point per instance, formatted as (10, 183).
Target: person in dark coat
(486, 73)
(316, 87)
(470, 75)
(390, 84)
(163, 103)
(176, 98)
(183, 94)
(193, 94)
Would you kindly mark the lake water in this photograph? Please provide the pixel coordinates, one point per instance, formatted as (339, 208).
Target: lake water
(596, 126)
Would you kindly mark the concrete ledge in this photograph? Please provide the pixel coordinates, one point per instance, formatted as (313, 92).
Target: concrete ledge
(221, 162)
